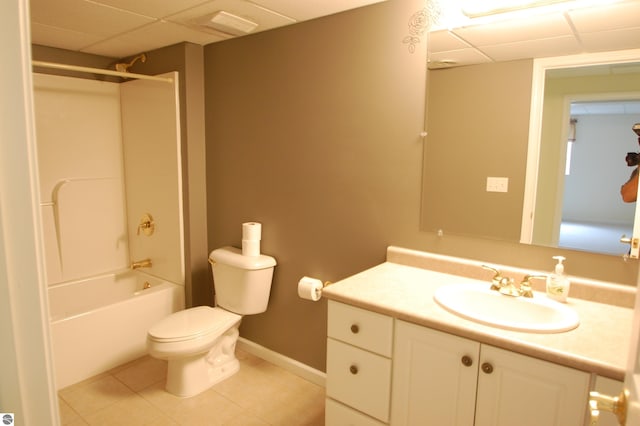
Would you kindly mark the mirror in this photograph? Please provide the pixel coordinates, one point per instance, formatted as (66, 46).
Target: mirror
(581, 131)
(481, 117)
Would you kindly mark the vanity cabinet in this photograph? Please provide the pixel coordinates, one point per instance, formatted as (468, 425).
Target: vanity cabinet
(359, 348)
(448, 380)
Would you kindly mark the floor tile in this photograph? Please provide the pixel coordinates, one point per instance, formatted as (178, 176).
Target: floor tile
(133, 394)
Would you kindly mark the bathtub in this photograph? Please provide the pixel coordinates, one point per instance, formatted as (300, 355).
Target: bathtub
(102, 322)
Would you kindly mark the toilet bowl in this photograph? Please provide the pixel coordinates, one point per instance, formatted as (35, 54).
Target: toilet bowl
(199, 343)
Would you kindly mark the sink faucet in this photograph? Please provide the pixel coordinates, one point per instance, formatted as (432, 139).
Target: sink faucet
(145, 263)
(506, 285)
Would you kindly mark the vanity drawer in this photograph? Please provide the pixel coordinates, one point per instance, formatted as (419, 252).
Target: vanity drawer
(336, 414)
(365, 329)
(359, 379)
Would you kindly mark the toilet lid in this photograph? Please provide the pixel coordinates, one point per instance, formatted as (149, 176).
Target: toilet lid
(192, 323)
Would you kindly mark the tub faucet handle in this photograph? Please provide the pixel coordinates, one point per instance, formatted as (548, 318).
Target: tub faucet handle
(146, 225)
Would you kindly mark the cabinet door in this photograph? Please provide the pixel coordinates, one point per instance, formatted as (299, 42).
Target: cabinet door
(514, 389)
(432, 384)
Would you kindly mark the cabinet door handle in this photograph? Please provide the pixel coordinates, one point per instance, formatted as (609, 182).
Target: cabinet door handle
(467, 361)
(353, 369)
(354, 328)
(487, 368)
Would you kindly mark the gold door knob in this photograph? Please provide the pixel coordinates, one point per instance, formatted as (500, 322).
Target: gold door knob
(487, 368)
(615, 404)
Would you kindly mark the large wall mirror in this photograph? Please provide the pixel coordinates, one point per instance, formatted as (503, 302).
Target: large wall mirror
(499, 161)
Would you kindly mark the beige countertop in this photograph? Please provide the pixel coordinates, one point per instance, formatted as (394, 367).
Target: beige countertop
(599, 344)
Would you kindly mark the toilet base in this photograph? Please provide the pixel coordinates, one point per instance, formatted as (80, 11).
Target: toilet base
(190, 375)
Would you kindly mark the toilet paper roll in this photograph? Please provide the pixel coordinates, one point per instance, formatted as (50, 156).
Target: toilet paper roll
(252, 231)
(251, 247)
(310, 289)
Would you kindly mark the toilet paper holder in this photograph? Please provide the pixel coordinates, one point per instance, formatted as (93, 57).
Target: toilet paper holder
(311, 288)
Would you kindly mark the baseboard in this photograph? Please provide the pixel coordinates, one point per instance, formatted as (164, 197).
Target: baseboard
(308, 373)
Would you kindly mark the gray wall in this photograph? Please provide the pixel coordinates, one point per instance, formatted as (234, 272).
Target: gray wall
(313, 130)
(478, 127)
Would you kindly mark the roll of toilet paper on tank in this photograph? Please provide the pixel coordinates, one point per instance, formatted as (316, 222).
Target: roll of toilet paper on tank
(252, 231)
(310, 289)
(251, 247)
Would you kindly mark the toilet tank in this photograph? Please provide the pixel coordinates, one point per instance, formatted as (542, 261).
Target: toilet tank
(242, 283)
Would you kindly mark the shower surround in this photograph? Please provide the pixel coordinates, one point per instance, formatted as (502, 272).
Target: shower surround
(108, 153)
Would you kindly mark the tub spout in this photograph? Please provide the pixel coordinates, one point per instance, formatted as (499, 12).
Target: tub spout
(146, 263)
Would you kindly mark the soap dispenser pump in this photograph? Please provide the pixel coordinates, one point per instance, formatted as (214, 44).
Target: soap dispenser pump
(557, 282)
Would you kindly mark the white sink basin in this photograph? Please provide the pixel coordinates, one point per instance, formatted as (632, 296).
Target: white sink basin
(534, 315)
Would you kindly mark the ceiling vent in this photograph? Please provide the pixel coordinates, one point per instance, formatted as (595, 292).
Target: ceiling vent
(230, 23)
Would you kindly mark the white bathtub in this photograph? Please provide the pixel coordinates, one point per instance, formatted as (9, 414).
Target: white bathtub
(102, 322)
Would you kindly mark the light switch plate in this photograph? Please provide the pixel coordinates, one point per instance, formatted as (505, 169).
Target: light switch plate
(497, 184)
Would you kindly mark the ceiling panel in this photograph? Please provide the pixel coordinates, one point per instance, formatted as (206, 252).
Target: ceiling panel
(615, 26)
(121, 28)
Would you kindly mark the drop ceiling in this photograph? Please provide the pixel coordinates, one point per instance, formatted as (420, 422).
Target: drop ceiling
(121, 28)
(615, 26)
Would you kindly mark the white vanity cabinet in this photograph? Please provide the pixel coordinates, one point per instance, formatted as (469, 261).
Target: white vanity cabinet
(359, 348)
(443, 379)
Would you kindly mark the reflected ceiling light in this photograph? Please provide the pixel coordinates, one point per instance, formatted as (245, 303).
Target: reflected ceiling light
(478, 9)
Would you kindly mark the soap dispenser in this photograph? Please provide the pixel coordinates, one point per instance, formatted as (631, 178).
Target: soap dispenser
(557, 282)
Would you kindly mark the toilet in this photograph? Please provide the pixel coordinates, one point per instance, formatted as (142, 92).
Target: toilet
(199, 343)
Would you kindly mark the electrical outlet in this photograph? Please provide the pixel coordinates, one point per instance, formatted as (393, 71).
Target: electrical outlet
(497, 184)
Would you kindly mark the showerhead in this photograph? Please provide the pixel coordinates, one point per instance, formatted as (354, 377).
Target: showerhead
(124, 67)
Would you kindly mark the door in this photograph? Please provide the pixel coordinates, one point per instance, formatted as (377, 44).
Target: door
(628, 412)
(632, 378)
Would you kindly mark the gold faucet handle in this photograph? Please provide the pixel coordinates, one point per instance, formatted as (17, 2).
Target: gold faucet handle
(525, 285)
(498, 281)
(146, 225)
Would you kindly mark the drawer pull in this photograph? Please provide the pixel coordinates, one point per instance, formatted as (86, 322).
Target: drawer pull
(353, 369)
(354, 328)
(487, 368)
(467, 361)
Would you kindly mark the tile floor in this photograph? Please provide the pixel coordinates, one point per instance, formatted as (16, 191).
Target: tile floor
(133, 394)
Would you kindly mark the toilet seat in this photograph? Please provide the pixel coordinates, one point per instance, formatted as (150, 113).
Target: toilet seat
(193, 323)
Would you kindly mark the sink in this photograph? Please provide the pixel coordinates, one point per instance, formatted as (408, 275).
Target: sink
(534, 315)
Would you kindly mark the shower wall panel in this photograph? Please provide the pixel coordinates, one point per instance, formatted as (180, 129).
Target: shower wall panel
(79, 140)
(152, 162)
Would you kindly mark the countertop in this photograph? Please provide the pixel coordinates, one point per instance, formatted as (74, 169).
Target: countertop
(598, 345)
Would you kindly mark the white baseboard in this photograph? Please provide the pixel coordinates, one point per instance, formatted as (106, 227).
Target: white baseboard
(308, 373)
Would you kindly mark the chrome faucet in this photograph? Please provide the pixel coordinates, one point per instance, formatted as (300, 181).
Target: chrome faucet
(507, 287)
(145, 263)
